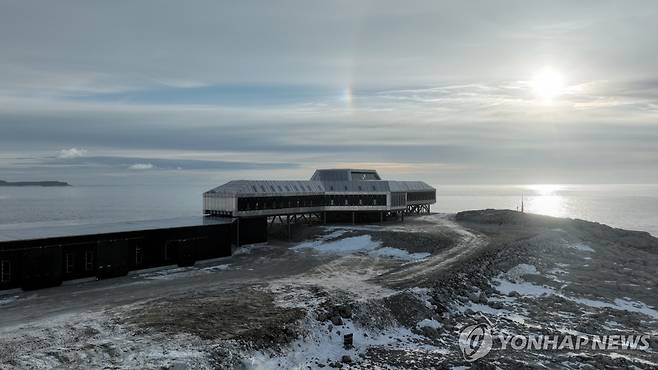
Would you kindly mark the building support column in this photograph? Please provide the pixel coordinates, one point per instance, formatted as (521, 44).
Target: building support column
(381, 216)
(288, 222)
(353, 218)
(324, 217)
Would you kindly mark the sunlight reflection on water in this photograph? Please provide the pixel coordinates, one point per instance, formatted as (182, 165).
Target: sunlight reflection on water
(545, 199)
(550, 205)
(627, 206)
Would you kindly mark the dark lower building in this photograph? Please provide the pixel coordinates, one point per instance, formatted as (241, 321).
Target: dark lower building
(34, 258)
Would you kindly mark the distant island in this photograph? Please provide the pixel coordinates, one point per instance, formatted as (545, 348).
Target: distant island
(34, 183)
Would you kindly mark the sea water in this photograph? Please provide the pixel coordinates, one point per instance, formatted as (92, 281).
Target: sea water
(632, 207)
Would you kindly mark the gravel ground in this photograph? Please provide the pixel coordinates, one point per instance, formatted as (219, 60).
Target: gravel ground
(401, 291)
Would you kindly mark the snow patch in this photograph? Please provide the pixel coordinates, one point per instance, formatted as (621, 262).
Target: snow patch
(362, 243)
(429, 323)
(399, 254)
(524, 288)
(619, 304)
(324, 346)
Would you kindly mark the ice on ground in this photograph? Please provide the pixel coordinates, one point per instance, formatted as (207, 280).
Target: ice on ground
(620, 304)
(361, 243)
(356, 244)
(399, 254)
(430, 323)
(524, 288)
(528, 289)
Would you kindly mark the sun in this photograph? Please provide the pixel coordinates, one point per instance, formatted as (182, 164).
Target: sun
(548, 84)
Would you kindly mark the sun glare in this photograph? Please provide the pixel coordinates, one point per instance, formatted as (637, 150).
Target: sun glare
(548, 84)
(545, 199)
(544, 189)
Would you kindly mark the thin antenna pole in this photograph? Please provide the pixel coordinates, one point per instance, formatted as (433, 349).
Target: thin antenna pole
(522, 206)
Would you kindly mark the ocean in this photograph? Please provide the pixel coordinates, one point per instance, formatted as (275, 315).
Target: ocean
(632, 207)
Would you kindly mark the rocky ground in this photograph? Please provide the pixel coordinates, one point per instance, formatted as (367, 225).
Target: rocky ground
(400, 292)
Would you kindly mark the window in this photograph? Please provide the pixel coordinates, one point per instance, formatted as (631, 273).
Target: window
(5, 271)
(254, 187)
(272, 187)
(374, 202)
(331, 202)
(89, 260)
(280, 188)
(70, 263)
(287, 188)
(346, 203)
(360, 201)
(139, 256)
(262, 187)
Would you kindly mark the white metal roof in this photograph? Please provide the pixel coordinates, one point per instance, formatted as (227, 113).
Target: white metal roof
(268, 187)
(265, 188)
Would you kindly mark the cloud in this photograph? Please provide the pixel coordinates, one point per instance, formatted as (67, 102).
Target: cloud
(153, 162)
(438, 86)
(141, 166)
(72, 153)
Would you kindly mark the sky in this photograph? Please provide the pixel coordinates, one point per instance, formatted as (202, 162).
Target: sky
(477, 92)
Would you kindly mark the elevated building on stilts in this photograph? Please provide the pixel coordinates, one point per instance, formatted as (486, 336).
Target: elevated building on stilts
(331, 195)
